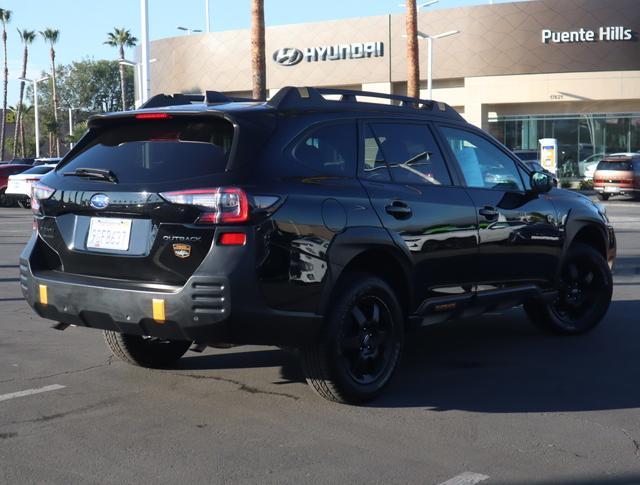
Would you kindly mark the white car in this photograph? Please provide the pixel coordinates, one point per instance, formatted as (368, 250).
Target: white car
(19, 185)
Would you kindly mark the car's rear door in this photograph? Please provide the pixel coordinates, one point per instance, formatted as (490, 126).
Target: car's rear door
(414, 195)
(520, 237)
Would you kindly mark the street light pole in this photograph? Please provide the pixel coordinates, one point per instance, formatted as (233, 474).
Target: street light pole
(144, 49)
(430, 39)
(35, 82)
(138, 67)
(207, 17)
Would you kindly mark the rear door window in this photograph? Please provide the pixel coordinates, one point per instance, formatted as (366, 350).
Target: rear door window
(328, 150)
(155, 151)
(409, 151)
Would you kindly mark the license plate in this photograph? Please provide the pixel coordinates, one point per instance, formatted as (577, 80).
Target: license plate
(108, 233)
(612, 189)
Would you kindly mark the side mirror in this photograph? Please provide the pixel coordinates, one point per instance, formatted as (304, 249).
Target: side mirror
(541, 182)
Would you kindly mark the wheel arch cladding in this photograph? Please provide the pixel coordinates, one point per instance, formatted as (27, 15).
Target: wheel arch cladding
(590, 234)
(386, 263)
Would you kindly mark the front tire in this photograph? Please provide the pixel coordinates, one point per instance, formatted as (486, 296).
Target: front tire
(585, 292)
(145, 351)
(361, 345)
(602, 196)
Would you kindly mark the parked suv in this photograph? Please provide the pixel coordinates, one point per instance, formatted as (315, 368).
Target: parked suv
(618, 175)
(334, 227)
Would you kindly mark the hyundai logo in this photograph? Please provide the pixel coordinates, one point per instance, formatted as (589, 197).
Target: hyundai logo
(99, 201)
(288, 56)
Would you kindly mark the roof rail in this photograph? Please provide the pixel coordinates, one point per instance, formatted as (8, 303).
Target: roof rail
(308, 97)
(179, 99)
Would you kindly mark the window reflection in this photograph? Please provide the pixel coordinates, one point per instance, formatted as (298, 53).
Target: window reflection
(583, 139)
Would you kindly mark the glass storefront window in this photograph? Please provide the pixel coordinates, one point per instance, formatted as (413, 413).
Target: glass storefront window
(582, 138)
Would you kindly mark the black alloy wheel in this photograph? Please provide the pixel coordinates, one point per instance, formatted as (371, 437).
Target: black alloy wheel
(584, 294)
(362, 342)
(366, 342)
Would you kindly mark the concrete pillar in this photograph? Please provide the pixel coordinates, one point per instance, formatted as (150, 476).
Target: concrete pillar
(477, 114)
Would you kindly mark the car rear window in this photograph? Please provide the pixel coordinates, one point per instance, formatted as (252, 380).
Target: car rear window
(42, 169)
(152, 151)
(619, 166)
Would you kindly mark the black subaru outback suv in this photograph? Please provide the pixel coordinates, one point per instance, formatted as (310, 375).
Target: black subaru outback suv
(316, 220)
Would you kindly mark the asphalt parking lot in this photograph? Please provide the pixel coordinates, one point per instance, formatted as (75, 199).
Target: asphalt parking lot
(490, 397)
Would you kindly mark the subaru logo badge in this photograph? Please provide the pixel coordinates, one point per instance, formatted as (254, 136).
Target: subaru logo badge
(99, 201)
(288, 56)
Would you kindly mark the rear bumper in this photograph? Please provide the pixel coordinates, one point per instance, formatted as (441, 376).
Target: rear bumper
(205, 310)
(620, 190)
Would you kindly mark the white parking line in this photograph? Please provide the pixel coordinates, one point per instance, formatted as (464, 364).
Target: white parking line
(29, 392)
(466, 478)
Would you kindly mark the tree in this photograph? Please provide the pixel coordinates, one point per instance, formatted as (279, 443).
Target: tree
(121, 38)
(258, 63)
(5, 18)
(413, 67)
(51, 36)
(27, 37)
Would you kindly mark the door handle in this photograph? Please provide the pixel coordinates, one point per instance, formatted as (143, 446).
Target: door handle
(488, 212)
(399, 210)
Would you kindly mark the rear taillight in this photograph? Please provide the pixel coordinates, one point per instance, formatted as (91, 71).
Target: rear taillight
(221, 205)
(39, 192)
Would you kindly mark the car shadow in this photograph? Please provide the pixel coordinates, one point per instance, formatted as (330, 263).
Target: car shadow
(496, 363)
(502, 364)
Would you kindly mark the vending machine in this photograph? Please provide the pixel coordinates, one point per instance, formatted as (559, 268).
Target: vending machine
(549, 154)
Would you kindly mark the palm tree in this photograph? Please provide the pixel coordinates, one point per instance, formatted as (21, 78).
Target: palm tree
(413, 67)
(51, 36)
(5, 18)
(27, 37)
(121, 38)
(258, 63)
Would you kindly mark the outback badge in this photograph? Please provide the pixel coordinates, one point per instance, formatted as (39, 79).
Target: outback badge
(182, 250)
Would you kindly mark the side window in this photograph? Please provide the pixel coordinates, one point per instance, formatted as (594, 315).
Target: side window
(482, 163)
(375, 168)
(329, 150)
(411, 153)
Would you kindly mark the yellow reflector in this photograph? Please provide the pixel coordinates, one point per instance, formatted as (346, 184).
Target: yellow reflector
(158, 310)
(44, 298)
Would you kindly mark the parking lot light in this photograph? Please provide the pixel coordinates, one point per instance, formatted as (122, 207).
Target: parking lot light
(35, 82)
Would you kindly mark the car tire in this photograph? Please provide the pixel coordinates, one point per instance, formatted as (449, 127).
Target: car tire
(145, 351)
(586, 288)
(603, 196)
(4, 202)
(361, 344)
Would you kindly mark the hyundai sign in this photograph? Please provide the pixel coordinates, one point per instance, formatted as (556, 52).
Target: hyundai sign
(290, 56)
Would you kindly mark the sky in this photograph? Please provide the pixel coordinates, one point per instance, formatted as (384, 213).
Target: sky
(83, 24)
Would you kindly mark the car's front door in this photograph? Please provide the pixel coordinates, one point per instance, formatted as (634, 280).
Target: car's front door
(520, 238)
(414, 195)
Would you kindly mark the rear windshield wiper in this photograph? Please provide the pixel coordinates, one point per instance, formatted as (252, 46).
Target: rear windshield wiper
(94, 173)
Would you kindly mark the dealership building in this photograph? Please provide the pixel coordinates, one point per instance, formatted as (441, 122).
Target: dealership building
(564, 69)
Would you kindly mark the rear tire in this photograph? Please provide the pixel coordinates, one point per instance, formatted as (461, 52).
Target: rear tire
(4, 200)
(585, 293)
(361, 345)
(145, 351)
(603, 196)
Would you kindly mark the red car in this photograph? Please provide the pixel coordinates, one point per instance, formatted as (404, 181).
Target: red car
(618, 175)
(5, 171)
